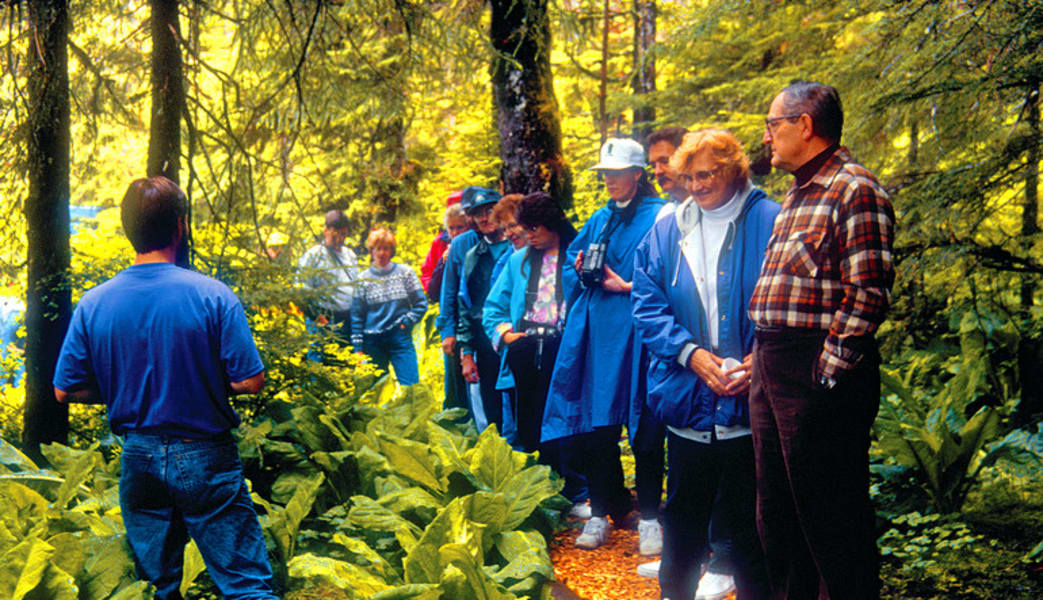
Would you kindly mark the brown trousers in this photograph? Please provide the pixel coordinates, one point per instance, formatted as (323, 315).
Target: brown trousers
(811, 445)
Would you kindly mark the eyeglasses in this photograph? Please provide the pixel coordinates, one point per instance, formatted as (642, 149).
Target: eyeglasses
(700, 176)
(530, 228)
(770, 122)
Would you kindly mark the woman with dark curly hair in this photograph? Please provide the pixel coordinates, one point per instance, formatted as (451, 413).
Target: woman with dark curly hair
(524, 315)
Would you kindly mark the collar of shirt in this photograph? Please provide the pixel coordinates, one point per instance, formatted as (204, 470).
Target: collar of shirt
(808, 169)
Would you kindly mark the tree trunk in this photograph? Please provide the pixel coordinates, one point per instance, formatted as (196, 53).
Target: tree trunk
(644, 67)
(603, 87)
(1030, 211)
(168, 93)
(526, 108)
(168, 102)
(48, 301)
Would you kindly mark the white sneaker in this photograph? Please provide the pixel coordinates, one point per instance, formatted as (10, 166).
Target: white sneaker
(580, 510)
(595, 533)
(649, 569)
(651, 536)
(714, 586)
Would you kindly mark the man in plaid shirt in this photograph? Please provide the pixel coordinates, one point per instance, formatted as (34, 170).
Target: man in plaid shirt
(823, 291)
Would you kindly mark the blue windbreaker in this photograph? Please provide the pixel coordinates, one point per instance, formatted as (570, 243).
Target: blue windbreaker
(454, 264)
(669, 314)
(595, 377)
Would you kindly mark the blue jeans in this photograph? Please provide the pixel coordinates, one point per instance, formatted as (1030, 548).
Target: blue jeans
(171, 489)
(394, 346)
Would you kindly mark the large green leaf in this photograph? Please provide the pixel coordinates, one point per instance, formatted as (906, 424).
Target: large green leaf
(470, 521)
(528, 564)
(356, 581)
(411, 501)
(109, 566)
(12, 457)
(21, 505)
(342, 472)
(413, 460)
(411, 591)
(369, 514)
(450, 448)
(479, 585)
(193, 565)
(70, 552)
(138, 590)
(374, 561)
(284, 523)
(494, 463)
(312, 433)
(288, 482)
(22, 568)
(55, 584)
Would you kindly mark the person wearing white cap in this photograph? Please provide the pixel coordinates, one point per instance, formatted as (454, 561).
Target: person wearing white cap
(597, 376)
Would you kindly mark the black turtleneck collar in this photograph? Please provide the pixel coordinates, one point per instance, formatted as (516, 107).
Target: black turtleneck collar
(807, 170)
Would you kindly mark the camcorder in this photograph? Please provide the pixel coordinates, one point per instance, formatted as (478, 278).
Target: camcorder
(592, 271)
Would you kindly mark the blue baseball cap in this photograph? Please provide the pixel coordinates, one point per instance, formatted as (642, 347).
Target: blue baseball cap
(475, 197)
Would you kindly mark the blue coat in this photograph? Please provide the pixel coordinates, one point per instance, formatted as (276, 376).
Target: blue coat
(595, 377)
(454, 264)
(506, 304)
(669, 314)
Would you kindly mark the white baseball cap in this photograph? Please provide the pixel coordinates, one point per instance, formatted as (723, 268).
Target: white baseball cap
(620, 153)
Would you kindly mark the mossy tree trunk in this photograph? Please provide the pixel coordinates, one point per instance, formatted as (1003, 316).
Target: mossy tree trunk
(168, 101)
(644, 67)
(48, 301)
(526, 108)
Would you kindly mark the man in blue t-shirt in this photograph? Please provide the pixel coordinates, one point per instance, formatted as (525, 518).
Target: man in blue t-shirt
(164, 347)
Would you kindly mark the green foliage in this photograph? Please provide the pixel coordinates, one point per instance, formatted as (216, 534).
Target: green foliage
(60, 532)
(406, 503)
(946, 432)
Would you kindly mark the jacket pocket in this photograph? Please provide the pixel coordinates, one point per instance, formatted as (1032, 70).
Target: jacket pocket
(802, 253)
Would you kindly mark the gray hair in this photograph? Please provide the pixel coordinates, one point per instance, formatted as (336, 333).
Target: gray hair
(451, 212)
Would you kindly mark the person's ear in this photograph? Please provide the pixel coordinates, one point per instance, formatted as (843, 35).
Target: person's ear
(807, 127)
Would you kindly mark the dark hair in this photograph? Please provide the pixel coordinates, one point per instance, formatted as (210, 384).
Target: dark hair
(821, 102)
(150, 211)
(336, 219)
(540, 208)
(645, 189)
(672, 135)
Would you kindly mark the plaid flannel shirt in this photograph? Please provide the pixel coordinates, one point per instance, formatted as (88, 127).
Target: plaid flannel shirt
(828, 264)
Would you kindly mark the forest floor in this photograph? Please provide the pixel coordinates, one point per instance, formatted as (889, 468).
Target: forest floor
(607, 573)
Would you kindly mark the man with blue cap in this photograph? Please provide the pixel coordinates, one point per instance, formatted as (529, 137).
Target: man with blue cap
(479, 360)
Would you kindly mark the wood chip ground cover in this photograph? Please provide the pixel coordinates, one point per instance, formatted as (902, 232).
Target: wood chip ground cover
(607, 573)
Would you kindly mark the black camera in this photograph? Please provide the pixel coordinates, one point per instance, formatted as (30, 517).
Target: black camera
(592, 271)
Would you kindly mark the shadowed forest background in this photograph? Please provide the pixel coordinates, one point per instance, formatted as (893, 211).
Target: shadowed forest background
(270, 112)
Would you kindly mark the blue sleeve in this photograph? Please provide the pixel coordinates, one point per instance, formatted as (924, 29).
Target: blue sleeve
(447, 301)
(653, 315)
(464, 336)
(570, 286)
(417, 299)
(501, 263)
(74, 368)
(497, 308)
(238, 352)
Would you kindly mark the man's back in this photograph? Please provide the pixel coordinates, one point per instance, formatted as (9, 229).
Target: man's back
(163, 343)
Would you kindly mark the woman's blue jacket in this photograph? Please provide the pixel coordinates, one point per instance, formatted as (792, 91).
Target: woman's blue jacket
(596, 374)
(669, 314)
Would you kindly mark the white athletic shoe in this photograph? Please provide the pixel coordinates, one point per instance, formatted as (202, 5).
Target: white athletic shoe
(650, 569)
(651, 536)
(714, 586)
(595, 533)
(580, 510)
